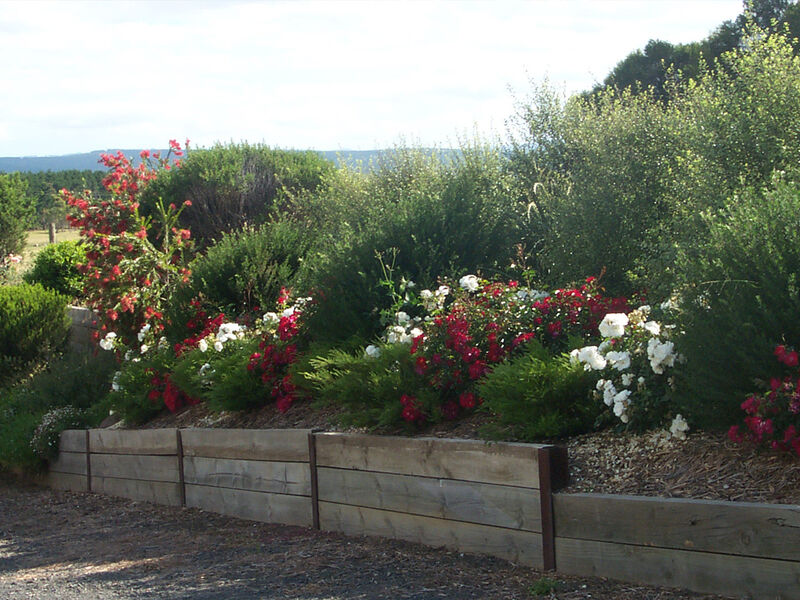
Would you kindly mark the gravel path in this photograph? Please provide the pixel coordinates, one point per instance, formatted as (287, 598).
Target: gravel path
(86, 546)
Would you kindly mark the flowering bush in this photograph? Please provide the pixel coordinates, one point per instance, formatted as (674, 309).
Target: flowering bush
(484, 323)
(45, 439)
(773, 417)
(8, 266)
(128, 279)
(635, 361)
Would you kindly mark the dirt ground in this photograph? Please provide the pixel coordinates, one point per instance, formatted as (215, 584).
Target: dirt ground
(85, 546)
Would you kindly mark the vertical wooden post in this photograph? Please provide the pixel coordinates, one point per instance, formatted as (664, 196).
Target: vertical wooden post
(553, 474)
(52, 233)
(181, 481)
(88, 464)
(312, 460)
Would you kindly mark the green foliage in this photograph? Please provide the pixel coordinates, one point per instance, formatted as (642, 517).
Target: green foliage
(538, 396)
(544, 586)
(221, 378)
(14, 214)
(247, 268)
(45, 438)
(44, 187)
(743, 300)
(234, 185)
(434, 218)
(368, 388)
(131, 398)
(617, 182)
(55, 267)
(33, 325)
(76, 381)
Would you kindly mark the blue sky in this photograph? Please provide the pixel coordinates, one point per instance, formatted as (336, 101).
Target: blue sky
(327, 75)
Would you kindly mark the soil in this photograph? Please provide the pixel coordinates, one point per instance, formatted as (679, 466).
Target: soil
(77, 546)
(704, 466)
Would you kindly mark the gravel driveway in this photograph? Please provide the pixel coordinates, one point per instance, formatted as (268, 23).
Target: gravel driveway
(69, 546)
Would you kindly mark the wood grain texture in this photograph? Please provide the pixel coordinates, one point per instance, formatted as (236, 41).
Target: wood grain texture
(133, 441)
(488, 504)
(255, 506)
(69, 462)
(698, 571)
(157, 492)
(251, 444)
(521, 547)
(72, 440)
(739, 528)
(67, 481)
(469, 460)
(135, 466)
(262, 476)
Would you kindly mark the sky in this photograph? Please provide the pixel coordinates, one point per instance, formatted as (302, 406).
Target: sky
(323, 75)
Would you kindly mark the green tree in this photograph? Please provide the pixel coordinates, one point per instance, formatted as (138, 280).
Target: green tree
(14, 214)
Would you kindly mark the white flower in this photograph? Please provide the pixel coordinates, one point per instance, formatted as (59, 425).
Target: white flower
(402, 317)
(288, 312)
(203, 345)
(410, 285)
(609, 392)
(644, 309)
(426, 294)
(627, 379)
(661, 354)
(270, 318)
(619, 360)
(143, 332)
(144, 348)
(539, 295)
(469, 283)
(218, 346)
(107, 343)
(613, 325)
(372, 351)
(204, 368)
(163, 343)
(621, 404)
(443, 290)
(600, 384)
(415, 332)
(653, 328)
(115, 381)
(668, 305)
(591, 358)
(679, 428)
(128, 355)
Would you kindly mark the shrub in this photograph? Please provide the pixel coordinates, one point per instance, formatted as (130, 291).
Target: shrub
(744, 300)
(235, 185)
(45, 438)
(246, 269)
(56, 268)
(538, 396)
(33, 325)
(368, 386)
(426, 218)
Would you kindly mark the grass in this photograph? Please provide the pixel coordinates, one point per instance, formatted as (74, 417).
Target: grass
(38, 239)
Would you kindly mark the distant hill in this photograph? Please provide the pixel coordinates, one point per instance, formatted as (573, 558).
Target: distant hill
(90, 160)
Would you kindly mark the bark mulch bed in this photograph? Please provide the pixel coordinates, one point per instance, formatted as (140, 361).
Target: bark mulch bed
(87, 546)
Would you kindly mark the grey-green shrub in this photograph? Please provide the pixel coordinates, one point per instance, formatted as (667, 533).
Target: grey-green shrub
(428, 217)
(55, 267)
(234, 185)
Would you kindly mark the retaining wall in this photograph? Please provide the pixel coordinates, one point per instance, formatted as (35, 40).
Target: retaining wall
(471, 496)
(80, 335)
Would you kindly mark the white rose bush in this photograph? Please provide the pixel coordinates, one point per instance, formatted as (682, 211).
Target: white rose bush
(635, 363)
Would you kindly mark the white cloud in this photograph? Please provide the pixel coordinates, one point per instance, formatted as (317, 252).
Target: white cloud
(327, 75)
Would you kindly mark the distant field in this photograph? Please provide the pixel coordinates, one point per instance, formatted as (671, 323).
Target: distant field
(38, 239)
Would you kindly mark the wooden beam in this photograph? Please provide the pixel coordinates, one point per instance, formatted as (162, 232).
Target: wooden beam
(468, 460)
(256, 506)
(256, 475)
(133, 441)
(250, 444)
